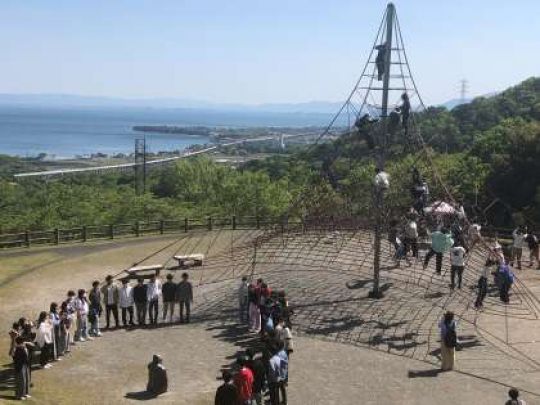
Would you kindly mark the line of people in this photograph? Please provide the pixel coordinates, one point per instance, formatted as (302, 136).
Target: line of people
(77, 320)
(266, 313)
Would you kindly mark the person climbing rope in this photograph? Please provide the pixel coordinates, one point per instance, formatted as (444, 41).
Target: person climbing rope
(380, 60)
(405, 110)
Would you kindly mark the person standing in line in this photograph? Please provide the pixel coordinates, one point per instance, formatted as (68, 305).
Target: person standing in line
(110, 299)
(45, 339)
(448, 330)
(457, 262)
(441, 241)
(514, 398)
(184, 293)
(58, 332)
(254, 310)
(517, 246)
(411, 237)
(82, 307)
(140, 296)
(21, 362)
(95, 309)
(243, 299)
(243, 381)
(169, 298)
(257, 367)
(125, 299)
(283, 372)
(154, 293)
(273, 375)
(534, 249)
(72, 314)
(227, 393)
(13, 335)
(66, 323)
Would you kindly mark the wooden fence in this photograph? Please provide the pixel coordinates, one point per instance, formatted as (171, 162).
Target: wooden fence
(141, 228)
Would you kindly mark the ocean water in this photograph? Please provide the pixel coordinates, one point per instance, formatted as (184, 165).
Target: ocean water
(66, 133)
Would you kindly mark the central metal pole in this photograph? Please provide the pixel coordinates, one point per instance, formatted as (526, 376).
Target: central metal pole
(379, 194)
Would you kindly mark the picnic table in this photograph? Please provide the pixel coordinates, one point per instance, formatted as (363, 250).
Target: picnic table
(195, 258)
(144, 271)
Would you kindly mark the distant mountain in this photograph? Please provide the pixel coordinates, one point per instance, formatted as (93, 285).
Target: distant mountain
(76, 101)
(455, 102)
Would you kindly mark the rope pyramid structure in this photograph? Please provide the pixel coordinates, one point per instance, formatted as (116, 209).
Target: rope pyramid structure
(326, 264)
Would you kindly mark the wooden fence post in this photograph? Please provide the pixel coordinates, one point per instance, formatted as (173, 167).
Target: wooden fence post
(111, 231)
(137, 228)
(56, 236)
(186, 224)
(234, 222)
(27, 238)
(161, 227)
(209, 223)
(258, 222)
(84, 233)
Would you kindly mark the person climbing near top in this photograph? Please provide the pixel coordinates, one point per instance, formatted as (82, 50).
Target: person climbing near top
(380, 60)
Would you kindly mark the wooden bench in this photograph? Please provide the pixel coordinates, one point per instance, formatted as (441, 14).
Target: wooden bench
(144, 271)
(196, 258)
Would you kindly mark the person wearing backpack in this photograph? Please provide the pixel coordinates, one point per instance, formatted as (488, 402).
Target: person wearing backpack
(449, 341)
(514, 398)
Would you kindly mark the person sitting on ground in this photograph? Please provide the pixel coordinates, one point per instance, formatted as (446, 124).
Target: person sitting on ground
(534, 249)
(244, 381)
(227, 393)
(22, 364)
(157, 376)
(448, 329)
(125, 297)
(513, 393)
(110, 299)
(257, 367)
(184, 294)
(140, 297)
(457, 263)
(95, 309)
(441, 241)
(169, 297)
(517, 246)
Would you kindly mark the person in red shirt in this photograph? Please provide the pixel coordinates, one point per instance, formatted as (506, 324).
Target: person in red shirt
(243, 381)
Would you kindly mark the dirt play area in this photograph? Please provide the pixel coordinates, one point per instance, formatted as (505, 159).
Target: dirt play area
(348, 349)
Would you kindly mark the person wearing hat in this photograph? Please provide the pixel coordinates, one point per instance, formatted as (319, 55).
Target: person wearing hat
(169, 297)
(125, 296)
(110, 299)
(243, 381)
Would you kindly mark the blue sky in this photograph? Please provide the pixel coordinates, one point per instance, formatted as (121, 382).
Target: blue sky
(258, 51)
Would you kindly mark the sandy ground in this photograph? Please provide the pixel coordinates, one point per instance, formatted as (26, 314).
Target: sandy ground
(331, 370)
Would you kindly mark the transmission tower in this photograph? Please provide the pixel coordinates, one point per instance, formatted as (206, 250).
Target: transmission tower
(379, 91)
(140, 166)
(464, 85)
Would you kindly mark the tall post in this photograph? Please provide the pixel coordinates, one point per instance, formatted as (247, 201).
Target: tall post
(378, 198)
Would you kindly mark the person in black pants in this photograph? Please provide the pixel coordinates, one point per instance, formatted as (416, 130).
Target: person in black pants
(110, 299)
(141, 299)
(258, 369)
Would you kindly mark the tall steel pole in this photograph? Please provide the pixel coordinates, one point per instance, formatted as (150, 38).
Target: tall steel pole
(379, 194)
